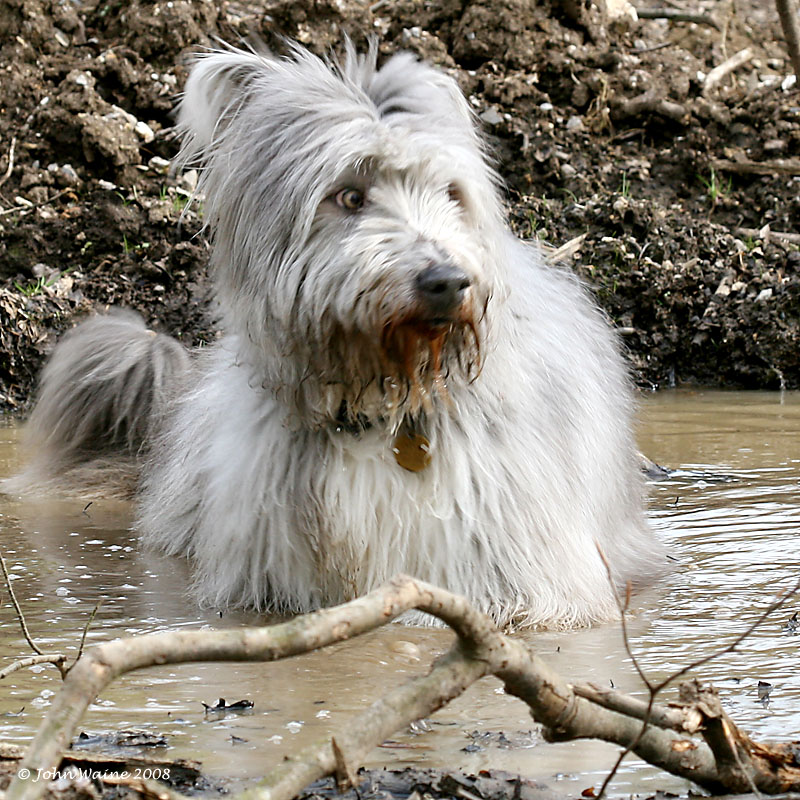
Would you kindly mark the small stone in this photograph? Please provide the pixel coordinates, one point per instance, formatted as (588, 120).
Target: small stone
(620, 205)
(764, 295)
(621, 12)
(158, 164)
(65, 175)
(574, 124)
(38, 194)
(774, 146)
(491, 116)
(144, 131)
(188, 180)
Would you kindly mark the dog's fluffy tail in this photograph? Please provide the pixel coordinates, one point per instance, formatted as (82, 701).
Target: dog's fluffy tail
(101, 397)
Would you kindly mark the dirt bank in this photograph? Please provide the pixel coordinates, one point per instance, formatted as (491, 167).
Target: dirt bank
(612, 131)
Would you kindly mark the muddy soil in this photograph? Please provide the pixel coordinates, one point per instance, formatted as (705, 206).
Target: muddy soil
(608, 128)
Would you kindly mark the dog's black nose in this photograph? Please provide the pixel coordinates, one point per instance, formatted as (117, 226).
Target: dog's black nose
(441, 289)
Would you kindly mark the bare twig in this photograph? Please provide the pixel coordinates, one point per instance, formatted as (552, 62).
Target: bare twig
(779, 166)
(651, 102)
(86, 628)
(567, 250)
(33, 206)
(20, 615)
(677, 15)
(778, 603)
(765, 234)
(645, 718)
(44, 658)
(9, 169)
(718, 74)
(787, 11)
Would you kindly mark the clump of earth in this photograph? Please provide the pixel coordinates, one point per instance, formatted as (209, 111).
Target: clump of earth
(677, 196)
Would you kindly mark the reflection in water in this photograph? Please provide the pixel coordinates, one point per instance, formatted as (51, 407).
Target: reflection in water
(730, 513)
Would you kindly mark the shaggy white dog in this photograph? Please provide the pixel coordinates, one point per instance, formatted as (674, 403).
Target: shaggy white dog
(402, 386)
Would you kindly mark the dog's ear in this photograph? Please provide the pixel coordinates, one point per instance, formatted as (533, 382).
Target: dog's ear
(219, 84)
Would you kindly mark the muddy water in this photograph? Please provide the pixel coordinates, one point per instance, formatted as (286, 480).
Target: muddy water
(730, 513)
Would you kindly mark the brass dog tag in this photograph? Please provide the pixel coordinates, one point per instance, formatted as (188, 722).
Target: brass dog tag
(412, 451)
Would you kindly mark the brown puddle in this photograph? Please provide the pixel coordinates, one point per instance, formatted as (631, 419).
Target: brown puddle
(734, 530)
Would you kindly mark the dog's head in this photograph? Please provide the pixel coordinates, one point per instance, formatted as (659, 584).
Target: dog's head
(356, 225)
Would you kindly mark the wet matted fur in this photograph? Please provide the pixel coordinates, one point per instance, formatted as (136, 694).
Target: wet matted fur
(371, 293)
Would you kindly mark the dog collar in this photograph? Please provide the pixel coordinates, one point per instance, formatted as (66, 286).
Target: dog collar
(355, 427)
(411, 448)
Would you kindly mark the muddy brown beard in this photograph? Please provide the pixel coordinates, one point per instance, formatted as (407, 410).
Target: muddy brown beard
(417, 351)
(397, 373)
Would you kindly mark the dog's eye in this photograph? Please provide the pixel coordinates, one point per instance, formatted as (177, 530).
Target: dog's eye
(455, 194)
(350, 199)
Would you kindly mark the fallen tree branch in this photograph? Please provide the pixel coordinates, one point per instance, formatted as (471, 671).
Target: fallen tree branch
(779, 166)
(100, 665)
(566, 250)
(481, 649)
(25, 209)
(720, 72)
(765, 235)
(650, 102)
(677, 15)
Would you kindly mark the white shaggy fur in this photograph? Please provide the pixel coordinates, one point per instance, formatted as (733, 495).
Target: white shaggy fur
(274, 468)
